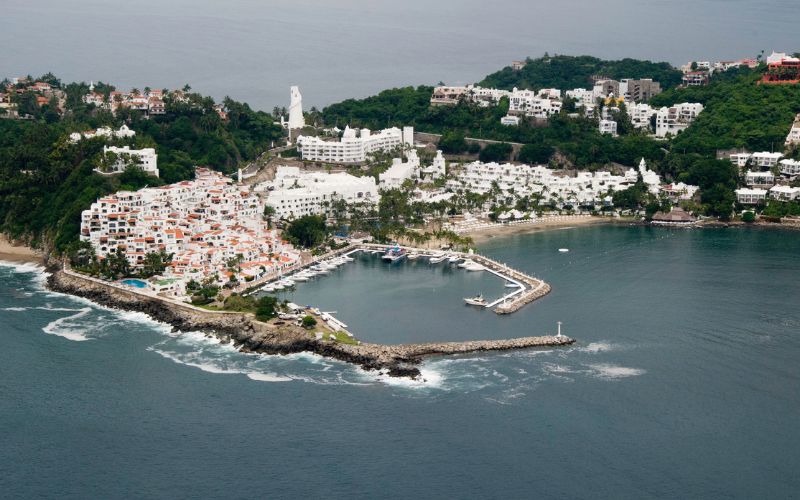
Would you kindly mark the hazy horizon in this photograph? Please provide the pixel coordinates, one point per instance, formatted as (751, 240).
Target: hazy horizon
(254, 50)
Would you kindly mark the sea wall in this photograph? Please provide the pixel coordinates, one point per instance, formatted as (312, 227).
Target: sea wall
(249, 335)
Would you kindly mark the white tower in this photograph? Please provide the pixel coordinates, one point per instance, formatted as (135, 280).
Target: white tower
(296, 109)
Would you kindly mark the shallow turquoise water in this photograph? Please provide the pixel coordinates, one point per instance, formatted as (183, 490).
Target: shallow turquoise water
(684, 384)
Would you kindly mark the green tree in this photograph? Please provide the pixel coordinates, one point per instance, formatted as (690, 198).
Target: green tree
(309, 322)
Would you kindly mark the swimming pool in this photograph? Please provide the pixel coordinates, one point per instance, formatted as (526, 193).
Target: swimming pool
(135, 283)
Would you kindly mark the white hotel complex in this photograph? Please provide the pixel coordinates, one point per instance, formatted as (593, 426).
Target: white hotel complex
(204, 223)
(355, 145)
(295, 193)
(517, 181)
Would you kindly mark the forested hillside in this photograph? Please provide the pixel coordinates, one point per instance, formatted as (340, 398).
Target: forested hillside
(46, 181)
(570, 72)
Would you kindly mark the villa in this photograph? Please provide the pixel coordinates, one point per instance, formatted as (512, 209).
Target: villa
(145, 159)
(676, 119)
(748, 196)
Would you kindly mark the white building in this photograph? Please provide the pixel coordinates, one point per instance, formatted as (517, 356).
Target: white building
(550, 186)
(203, 223)
(759, 179)
(509, 120)
(763, 159)
(540, 104)
(295, 193)
(673, 120)
(608, 127)
(679, 191)
(296, 119)
(354, 147)
(641, 114)
(436, 170)
(790, 168)
(400, 171)
(794, 133)
(146, 159)
(750, 196)
(785, 193)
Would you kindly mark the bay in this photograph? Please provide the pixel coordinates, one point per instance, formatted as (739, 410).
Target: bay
(684, 383)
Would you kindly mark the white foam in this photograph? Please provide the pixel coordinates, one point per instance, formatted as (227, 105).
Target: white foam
(57, 327)
(612, 372)
(14, 309)
(596, 347)
(268, 377)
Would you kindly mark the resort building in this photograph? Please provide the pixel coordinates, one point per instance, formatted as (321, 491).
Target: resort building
(145, 159)
(790, 168)
(400, 171)
(448, 96)
(764, 159)
(675, 119)
(751, 196)
(785, 193)
(695, 78)
(204, 224)
(641, 114)
(794, 133)
(548, 185)
(759, 179)
(679, 191)
(354, 147)
(295, 193)
(608, 127)
(436, 170)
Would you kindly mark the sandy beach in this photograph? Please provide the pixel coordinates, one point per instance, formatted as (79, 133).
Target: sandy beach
(20, 254)
(544, 225)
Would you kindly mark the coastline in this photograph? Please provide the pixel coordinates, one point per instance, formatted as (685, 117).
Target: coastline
(481, 235)
(249, 335)
(19, 254)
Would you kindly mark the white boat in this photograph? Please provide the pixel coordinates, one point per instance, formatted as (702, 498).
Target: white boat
(474, 266)
(394, 254)
(277, 286)
(436, 258)
(300, 277)
(413, 256)
(453, 259)
(512, 285)
(563, 250)
(475, 301)
(466, 263)
(347, 258)
(268, 288)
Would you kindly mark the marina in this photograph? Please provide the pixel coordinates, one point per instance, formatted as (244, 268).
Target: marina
(523, 288)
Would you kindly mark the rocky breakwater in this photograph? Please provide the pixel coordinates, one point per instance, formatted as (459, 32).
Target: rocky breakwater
(528, 296)
(249, 335)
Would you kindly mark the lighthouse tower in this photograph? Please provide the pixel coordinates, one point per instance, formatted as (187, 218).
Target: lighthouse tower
(296, 119)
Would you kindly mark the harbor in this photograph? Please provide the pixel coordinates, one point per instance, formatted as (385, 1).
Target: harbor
(523, 288)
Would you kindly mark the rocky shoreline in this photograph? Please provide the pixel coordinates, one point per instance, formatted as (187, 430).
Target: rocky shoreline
(249, 335)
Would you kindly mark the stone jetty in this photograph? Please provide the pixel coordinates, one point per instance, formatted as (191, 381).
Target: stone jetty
(249, 335)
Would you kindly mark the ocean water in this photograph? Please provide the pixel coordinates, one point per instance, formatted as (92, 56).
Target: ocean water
(253, 50)
(684, 383)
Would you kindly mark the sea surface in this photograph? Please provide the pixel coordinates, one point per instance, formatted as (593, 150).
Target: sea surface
(253, 50)
(684, 383)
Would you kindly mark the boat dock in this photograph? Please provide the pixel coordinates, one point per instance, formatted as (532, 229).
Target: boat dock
(526, 288)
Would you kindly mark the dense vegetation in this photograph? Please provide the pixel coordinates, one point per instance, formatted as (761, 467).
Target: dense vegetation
(739, 113)
(46, 181)
(570, 72)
